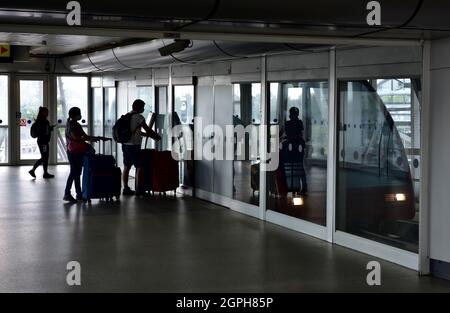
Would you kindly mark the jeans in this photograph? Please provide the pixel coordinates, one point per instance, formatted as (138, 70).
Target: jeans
(76, 167)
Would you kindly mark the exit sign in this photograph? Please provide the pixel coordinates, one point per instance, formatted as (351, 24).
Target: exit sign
(5, 53)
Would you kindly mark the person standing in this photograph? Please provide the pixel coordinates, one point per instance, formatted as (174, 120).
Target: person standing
(77, 148)
(132, 149)
(294, 144)
(42, 130)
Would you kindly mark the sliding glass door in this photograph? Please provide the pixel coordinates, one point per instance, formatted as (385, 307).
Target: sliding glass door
(379, 161)
(298, 119)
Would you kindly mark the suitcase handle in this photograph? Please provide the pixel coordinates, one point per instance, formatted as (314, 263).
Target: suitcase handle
(103, 141)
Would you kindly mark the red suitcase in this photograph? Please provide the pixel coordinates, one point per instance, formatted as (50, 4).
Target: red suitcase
(164, 172)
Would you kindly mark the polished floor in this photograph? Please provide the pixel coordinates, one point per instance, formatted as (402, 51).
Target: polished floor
(167, 245)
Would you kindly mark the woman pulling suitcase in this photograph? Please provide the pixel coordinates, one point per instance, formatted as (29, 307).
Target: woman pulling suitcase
(77, 147)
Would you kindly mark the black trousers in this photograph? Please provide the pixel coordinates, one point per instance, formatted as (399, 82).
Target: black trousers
(44, 149)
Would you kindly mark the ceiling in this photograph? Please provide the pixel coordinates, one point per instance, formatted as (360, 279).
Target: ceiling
(58, 44)
(41, 25)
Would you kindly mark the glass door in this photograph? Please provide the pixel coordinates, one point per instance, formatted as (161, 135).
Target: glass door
(32, 94)
(246, 121)
(298, 117)
(183, 116)
(378, 178)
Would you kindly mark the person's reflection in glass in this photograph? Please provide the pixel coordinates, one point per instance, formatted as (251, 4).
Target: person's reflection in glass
(293, 152)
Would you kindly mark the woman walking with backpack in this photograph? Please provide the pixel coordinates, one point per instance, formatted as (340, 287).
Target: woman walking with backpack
(42, 130)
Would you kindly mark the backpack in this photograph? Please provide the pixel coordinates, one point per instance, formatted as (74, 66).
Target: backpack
(122, 128)
(34, 131)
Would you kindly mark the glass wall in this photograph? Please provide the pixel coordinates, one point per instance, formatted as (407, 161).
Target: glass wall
(298, 117)
(109, 120)
(162, 118)
(184, 115)
(247, 115)
(97, 111)
(72, 91)
(145, 93)
(378, 168)
(4, 101)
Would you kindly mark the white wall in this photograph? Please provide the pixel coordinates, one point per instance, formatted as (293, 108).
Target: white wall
(440, 151)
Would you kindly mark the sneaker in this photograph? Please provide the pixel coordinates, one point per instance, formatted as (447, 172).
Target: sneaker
(69, 198)
(47, 176)
(32, 173)
(128, 192)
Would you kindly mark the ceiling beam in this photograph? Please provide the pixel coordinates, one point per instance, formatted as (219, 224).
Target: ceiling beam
(239, 37)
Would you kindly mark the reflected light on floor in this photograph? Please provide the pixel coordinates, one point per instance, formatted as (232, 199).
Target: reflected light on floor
(298, 201)
(400, 197)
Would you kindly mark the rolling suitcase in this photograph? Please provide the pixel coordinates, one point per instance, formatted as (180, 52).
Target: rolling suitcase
(101, 177)
(165, 172)
(291, 170)
(145, 174)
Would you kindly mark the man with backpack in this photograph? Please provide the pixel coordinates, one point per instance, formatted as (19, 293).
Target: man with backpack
(128, 131)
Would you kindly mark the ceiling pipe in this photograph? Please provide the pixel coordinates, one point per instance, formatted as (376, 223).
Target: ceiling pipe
(147, 55)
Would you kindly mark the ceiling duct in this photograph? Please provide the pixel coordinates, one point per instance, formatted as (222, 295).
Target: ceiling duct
(147, 55)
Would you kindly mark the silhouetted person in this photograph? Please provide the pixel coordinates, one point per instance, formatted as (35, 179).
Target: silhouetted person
(42, 130)
(132, 149)
(77, 148)
(294, 144)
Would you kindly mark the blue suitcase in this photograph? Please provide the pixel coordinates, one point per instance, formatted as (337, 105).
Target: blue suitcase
(101, 177)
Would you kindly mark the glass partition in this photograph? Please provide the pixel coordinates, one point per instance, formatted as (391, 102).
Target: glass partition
(97, 111)
(162, 118)
(246, 116)
(72, 91)
(109, 120)
(183, 116)
(378, 168)
(298, 116)
(4, 129)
